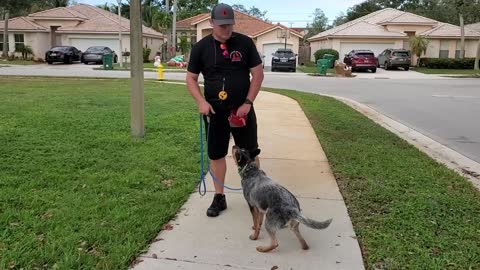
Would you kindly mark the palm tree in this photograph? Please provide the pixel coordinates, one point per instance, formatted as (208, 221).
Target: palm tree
(419, 46)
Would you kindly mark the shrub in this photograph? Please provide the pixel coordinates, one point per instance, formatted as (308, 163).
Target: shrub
(447, 63)
(320, 53)
(146, 55)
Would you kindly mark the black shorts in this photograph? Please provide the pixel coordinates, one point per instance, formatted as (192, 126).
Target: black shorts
(218, 134)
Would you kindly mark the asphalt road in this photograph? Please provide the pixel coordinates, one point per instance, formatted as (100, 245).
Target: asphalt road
(446, 110)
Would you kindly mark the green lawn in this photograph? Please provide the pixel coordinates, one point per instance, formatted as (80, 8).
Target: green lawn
(306, 69)
(312, 69)
(408, 211)
(18, 62)
(448, 71)
(76, 191)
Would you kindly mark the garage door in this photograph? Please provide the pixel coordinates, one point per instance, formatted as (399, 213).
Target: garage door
(377, 48)
(84, 43)
(268, 49)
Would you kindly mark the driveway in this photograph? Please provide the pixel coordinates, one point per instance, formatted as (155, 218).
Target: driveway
(393, 74)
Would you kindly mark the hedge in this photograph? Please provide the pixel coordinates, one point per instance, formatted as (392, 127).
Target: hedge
(447, 63)
(320, 53)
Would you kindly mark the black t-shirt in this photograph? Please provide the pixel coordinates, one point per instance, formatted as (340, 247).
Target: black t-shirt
(225, 67)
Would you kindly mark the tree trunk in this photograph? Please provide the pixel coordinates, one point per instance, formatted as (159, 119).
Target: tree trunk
(5, 36)
(169, 33)
(462, 42)
(477, 59)
(174, 28)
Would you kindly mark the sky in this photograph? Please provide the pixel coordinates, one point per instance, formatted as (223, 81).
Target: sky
(281, 11)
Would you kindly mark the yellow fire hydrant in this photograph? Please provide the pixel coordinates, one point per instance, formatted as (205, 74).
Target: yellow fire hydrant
(160, 72)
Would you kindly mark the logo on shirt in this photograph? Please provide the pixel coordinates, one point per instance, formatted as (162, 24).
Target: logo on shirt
(236, 56)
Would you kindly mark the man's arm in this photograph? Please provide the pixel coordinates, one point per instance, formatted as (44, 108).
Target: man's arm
(256, 82)
(194, 89)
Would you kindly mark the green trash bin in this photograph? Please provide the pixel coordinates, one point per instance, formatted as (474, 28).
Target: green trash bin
(331, 59)
(322, 65)
(108, 61)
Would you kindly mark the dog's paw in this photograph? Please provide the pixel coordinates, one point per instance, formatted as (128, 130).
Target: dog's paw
(253, 237)
(266, 249)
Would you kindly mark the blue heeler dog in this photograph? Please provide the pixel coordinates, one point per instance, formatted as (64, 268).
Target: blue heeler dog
(269, 199)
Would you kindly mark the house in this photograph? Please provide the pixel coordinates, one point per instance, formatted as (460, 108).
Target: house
(79, 25)
(267, 37)
(391, 28)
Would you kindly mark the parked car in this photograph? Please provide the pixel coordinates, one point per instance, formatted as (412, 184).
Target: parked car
(65, 54)
(96, 53)
(395, 58)
(361, 60)
(284, 59)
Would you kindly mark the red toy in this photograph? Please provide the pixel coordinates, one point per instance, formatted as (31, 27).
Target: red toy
(236, 121)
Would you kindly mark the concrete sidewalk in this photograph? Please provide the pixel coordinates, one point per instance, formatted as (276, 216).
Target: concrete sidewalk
(291, 155)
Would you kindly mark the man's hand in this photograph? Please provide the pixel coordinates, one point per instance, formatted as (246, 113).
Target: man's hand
(205, 108)
(243, 110)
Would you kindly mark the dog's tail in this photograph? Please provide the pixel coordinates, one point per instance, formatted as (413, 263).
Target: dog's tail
(313, 223)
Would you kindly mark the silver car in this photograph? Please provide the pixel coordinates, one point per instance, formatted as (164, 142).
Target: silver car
(95, 54)
(394, 58)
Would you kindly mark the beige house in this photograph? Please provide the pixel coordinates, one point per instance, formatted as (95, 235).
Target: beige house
(267, 37)
(80, 25)
(391, 28)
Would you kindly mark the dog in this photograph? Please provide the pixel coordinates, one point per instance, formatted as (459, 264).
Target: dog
(268, 199)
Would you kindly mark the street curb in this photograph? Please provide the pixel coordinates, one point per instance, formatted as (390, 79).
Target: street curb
(461, 164)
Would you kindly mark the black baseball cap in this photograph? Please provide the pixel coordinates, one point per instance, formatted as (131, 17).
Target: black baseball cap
(223, 14)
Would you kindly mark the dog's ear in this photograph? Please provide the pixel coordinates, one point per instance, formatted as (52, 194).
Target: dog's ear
(255, 153)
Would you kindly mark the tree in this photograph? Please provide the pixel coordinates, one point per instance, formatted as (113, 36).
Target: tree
(252, 11)
(340, 19)
(362, 9)
(39, 5)
(11, 8)
(319, 24)
(477, 58)
(188, 8)
(418, 45)
(459, 4)
(107, 7)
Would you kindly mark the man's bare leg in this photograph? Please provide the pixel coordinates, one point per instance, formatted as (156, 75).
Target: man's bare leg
(219, 169)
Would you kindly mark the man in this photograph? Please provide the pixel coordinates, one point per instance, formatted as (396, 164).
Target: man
(226, 59)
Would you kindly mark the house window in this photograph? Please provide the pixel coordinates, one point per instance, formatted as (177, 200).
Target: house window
(444, 48)
(1, 43)
(19, 41)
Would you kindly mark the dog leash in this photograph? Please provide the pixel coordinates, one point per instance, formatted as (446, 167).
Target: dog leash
(202, 164)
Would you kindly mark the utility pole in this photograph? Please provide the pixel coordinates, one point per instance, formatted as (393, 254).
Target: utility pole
(136, 72)
(120, 32)
(174, 28)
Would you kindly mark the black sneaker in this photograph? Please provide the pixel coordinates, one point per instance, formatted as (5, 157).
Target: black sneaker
(219, 204)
